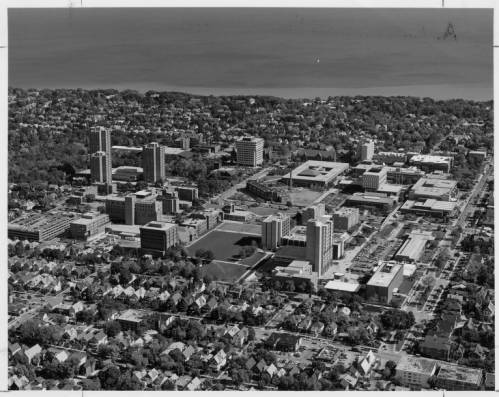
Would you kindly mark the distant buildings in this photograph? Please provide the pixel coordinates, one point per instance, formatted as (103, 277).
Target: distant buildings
(315, 174)
(433, 188)
(38, 227)
(153, 162)
(99, 170)
(88, 225)
(381, 285)
(127, 173)
(313, 212)
(429, 207)
(249, 151)
(157, 237)
(367, 151)
(273, 228)
(430, 163)
(390, 157)
(263, 191)
(319, 249)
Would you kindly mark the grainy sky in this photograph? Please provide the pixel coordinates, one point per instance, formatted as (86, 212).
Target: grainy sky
(286, 52)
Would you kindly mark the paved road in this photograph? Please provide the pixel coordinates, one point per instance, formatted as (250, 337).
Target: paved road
(233, 190)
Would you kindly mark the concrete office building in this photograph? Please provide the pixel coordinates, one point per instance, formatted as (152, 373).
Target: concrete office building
(315, 174)
(374, 178)
(367, 151)
(187, 193)
(171, 203)
(274, 227)
(249, 151)
(134, 208)
(388, 277)
(345, 219)
(157, 237)
(319, 250)
(88, 225)
(313, 212)
(153, 162)
(99, 170)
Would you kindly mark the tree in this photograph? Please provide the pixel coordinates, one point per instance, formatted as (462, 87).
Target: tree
(112, 328)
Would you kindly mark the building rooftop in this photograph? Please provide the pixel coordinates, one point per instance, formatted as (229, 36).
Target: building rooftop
(459, 373)
(371, 197)
(419, 365)
(158, 225)
(346, 286)
(88, 218)
(321, 171)
(428, 158)
(35, 221)
(384, 275)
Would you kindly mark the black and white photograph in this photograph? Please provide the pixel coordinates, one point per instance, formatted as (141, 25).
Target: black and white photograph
(250, 199)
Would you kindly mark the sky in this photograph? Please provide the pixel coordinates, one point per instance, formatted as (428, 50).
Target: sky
(284, 52)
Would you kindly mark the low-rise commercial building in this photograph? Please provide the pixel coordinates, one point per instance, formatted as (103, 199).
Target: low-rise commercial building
(381, 285)
(414, 246)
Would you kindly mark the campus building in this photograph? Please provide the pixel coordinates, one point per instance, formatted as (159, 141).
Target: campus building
(249, 151)
(430, 163)
(138, 208)
(38, 227)
(375, 201)
(99, 170)
(345, 219)
(390, 157)
(157, 237)
(458, 377)
(153, 162)
(90, 224)
(319, 251)
(315, 174)
(433, 188)
(414, 372)
(367, 151)
(313, 212)
(381, 285)
(414, 246)
(429, 207)
(374, 178)
(273, 228)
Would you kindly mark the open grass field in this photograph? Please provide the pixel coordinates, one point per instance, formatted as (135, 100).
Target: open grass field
(224, 271)
(224, 245)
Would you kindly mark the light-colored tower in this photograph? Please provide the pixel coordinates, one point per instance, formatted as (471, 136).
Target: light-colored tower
(153, 162)
(273, 228)
(250, 151)
(367, 151)
(319, 251)
(99, 168)
(100, 141)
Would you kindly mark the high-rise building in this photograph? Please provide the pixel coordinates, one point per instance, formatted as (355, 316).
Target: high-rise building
(319, 251)
(99, 168)
(171, 203)
(374, 178)
(153, 162)
(273, 228)
(100, 142)
(367, 151)
(130, 209)
(250, 151)
(157, 237)
(313, 212)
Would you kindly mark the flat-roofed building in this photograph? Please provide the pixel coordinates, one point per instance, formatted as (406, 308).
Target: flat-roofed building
(390, 157)
(414, 246)
(339, 240)
(99, 170)
(297, 270)
(429, 207)
(371, 200)
(273, 228)
(297, 237)
(38, 227)
(433, 188)
(319, 249)
(458, 377)
(90, 224)
(200, 225)
(171, 203)
(478, 155)
(315, 174)
(157, 237)
(213, 217)
(345, 219)
(127, 173)
(403, 175)
(249, 151)
(414, 372)
(374, 178)
(187, 193)
(429, 163)
(350, 286)
(100, 152)
(313, 212)
(134, 208)
(264, 191)
(153, 162)
(386, 278)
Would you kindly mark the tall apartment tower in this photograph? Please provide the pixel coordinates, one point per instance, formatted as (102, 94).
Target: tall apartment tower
(130, 209)
(319, 251)
(367, 151)
(249, 151)
(99, 168)
(100, 141)
(153, 162)
(273, 228)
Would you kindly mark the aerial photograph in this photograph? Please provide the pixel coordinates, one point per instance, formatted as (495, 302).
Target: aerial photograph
(250, 199)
